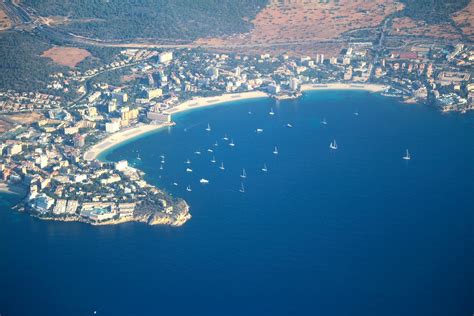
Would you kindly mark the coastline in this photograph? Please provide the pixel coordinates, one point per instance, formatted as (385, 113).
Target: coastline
(130, 133)
(371, 87)
(201, 102)
(120, 137)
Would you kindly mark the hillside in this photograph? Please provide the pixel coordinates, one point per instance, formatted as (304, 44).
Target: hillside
(165, 19)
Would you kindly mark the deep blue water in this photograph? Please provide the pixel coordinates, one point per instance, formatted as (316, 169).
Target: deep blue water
(358, 231)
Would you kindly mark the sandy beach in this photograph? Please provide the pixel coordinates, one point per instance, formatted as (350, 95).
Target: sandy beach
(200, 102)
(195, 103)
(208, 101)
(120, 137)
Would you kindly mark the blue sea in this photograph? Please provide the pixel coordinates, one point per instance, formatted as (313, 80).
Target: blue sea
(352, 231)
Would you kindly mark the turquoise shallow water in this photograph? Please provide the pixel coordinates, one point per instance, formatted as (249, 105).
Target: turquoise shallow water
(357, 231)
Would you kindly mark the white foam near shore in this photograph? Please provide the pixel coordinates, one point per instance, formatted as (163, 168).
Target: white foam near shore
(344, 86)
(200, 102)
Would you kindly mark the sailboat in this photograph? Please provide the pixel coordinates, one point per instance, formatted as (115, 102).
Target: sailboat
(271, 112)
(333, 145)
(264, 169)
(204, 181)
(138, 156)
(208, 127)
(216, 144)
(356, 113)
(213, 159)
(275, 151)
(188, 188)
(231, 144)
(222, 166)
(197, 152)
(210, 150)
(188, 162)
(244, 174)
(189, 170)
(225, 137)
(162, 157)
(242, 188)
(161, 167)
(324, 122)
(407, 156)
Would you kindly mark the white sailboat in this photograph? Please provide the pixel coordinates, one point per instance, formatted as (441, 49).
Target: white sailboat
(225, 137)
(138, 156)
(264, 169)
(197, 152)
(189, 170)
(231, 144)
(324, 122)
(275, 151)
(222, 166)
(407, 155)
(244, 174)
(188, 188)
(333, 145)
(161, 167)
(204, 181)
(289, 125)
(271, 112)
(242, 188)
(213, 159)
(210, 150)
(259, 130)
(216, 144)
(208, 127)
(188, 162)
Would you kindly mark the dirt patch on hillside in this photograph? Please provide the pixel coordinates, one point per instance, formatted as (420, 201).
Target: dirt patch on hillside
(25, 118)
(5, 22)
(66, 56)
(9, 121)
(465, 20)
(301, 22)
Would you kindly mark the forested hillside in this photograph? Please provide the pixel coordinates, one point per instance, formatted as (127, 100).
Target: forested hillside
(432, 11)
(21, 66)
(167, 19)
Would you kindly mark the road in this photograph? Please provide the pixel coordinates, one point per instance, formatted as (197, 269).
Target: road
(28, 17)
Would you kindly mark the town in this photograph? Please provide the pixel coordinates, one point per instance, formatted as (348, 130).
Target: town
(45, 157)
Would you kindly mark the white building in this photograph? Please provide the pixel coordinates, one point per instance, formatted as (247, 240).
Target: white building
(112, 127)
(165, 57)
(60, 207)
(43, 203)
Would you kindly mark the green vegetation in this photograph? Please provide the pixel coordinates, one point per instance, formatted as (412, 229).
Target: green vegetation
(432, 11)
(162, 19)
(21, 64)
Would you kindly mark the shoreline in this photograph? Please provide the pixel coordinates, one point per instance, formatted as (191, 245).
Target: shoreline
(120, 137)
(202, 102)
(371, 87)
